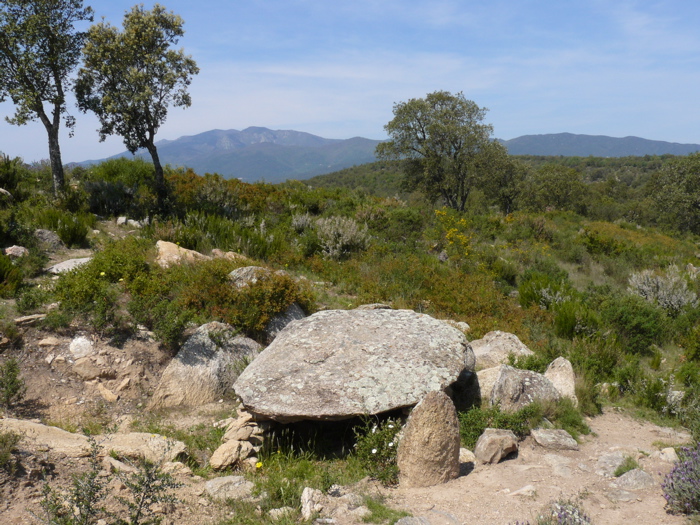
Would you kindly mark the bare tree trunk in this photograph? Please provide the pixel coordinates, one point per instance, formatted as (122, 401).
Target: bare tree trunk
(159, 177)
(52, 128)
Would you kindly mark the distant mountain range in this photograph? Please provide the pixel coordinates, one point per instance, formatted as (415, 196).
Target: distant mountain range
(256, 153)
(570, 145)
(261, 154)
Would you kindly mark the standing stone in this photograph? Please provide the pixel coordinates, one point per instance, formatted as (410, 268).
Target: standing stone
(428, 453)
(495, 444)
(561, 374)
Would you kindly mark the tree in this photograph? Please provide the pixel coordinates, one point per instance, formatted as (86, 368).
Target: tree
(444, 143)
(39, 48)
(556, 187)
(503, 177)
(129, 78)
(676, 191)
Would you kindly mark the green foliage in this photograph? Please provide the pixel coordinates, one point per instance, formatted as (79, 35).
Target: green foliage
(676, 191)
(12, 387)
(473, 422)
(637, 323)
(375, 448)
(120, 186)
(557, 188)
(424, 131)
(71, 228)
(130, 77)
(380, 513)
(8, 446)
(39, 49)
(10, 277)
(628, 464)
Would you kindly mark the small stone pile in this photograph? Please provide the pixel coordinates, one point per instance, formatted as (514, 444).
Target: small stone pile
(241, 443)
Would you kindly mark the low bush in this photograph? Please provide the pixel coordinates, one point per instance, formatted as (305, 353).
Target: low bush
(340, 236)
(375, 448)
(681, 486)
(669, 290)
(12, 387)
(637, 323)
(8, 446)
(629, 463)
(10, 277)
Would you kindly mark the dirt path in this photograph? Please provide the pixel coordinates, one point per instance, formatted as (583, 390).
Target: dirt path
(488, 495)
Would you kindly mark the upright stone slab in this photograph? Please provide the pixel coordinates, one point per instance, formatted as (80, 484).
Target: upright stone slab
(205, 367)
(428, 453)
(515, 389)
(561, 374)
(339, 364)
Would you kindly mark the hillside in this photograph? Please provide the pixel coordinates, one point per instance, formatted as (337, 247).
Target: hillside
(571, 145)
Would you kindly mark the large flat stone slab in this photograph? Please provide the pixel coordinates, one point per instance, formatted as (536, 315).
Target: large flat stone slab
(338, 364)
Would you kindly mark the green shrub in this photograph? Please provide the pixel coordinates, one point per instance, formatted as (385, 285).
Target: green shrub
(542, 290)
(572, 319)
(340, 236)
(637, 323)
(8, 446)
(629, 463)
(71, 228)
(668, 290)
(375, 448)
(12, 388)
(10, 277)
(31, 298)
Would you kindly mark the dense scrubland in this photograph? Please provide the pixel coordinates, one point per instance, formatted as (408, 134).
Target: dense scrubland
(594, 261)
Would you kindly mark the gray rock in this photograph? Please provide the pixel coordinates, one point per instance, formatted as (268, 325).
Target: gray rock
(49, 239)
(205, 367)
(495, 347)
(635, 479)
(515, 389)
(16, 251)
(67, 266)
(428, 453)
(554, 439)
(121, 221)
(561, 374)
(230, 487)
(279, 321)
(81, 346)
(608, 463)
(487, 378)
(432, 517)
(247, 275)
(374, 306)
(495, 444)
(338, 364)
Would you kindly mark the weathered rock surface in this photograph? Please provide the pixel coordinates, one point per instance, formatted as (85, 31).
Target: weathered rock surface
(152, 447)
(338, 505)
(247, 275)
(432, 517)
(81, 346)
(67, 266)
(230, 487)
(338, 364)
(608, 463)
(635, 479)
(487, 378)
(495, 347)
(279, 321)
(428, 453)
(16, 251)
(49, 239)
(170, 254)
(495, 444)
(205, 367)
(561, 374)
(516, 388)
(554, 439)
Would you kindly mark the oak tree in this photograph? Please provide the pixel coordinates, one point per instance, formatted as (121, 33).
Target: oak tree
(131, 77)
(39, 48)
(443, 141)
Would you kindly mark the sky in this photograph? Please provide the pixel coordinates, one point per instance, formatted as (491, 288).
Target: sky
(335, 69)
